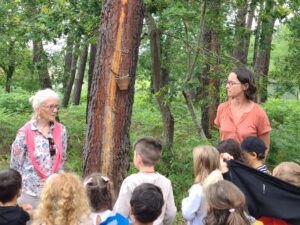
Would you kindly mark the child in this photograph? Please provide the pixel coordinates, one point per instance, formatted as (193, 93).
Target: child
(146, 203)
(99, 191)
(288, 172)
(147, 152)
(226, 204)
(63, 202)
(253, 153)
(10, 190)
(231, 147)
(206, 163)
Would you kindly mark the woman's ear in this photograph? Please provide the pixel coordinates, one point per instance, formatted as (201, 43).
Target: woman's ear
(245, 86)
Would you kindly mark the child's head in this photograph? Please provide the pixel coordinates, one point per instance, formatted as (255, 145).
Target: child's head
(226, 204)
(206, 160)
(148, 149)
(289, 172)
(10, 185)
(146, 203)
(253, 149)
(99, 191)
(231, 147)
(63, 201)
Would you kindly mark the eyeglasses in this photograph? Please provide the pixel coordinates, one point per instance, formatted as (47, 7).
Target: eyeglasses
(52, 107)
(52, 149)
(231, 83)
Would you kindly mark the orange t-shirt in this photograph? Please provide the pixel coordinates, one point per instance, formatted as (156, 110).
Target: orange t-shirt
(253, 123)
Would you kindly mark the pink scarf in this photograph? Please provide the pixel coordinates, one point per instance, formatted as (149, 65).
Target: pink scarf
(29, 139)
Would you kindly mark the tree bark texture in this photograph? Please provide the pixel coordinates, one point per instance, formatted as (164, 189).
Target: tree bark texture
(261, 67)
(80, 76)
(107, 142)
(160, 77)
(68, 60)
(240, 24)
(93, 51)
(250, 17)
(10, 69)
(39, 60)
(71, 78)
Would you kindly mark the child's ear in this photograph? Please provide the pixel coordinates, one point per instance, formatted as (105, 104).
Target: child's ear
(20, 192)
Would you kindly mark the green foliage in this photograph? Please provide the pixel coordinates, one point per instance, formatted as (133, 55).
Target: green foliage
(284, 117)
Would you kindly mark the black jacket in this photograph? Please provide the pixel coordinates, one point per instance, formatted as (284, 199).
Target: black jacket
(266, 195)
(13, 215)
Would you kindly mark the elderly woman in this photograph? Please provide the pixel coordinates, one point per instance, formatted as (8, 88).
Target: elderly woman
(240, 116)
(39, 149)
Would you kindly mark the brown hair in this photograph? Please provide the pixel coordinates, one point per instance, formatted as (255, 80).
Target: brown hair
(206, 159)
(63, 201)
(226, 204)
(149, 149)
(99, 190)
(288, 172)
(245, 76)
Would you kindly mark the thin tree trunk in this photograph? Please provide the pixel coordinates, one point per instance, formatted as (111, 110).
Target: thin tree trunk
(71, 79)
(250, 18)
(93, 51)
(262, 62)
(107, 142)
(68, 60)
(80, 76)
(40, 62)
(188, 93)
(238, 50)
(160, 78)
(11, 67)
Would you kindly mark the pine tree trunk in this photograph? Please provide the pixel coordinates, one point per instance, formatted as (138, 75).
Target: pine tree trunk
(71, 79)
(107, 142)
(80, 76)
(40, 62)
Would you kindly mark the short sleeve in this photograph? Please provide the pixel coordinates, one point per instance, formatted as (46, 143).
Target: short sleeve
(263, 125)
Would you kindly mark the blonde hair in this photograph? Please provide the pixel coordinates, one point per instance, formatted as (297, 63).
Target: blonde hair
(63, 201)
(40, 97)
(206, 159)
(288, 172)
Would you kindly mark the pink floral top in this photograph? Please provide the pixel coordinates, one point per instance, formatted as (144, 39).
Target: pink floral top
(20, 159)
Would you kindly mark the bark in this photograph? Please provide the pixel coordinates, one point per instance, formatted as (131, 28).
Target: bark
(209, 89)
(107, 142)
(188, 93)
(93, 51)
(10, 69)
(160, 77)
(80, 76)
(39, 60)
(71, 79)
(262, 62)
(249, 22)
(68, 60)
(240, 24)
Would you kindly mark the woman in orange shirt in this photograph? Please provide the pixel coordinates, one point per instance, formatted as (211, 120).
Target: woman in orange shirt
(240, 117)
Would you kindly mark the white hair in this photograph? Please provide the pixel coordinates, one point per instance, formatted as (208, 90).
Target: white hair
(41, 97)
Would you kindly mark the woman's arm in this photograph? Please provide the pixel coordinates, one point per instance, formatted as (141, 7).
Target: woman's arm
(18, 150)
(266, 139)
